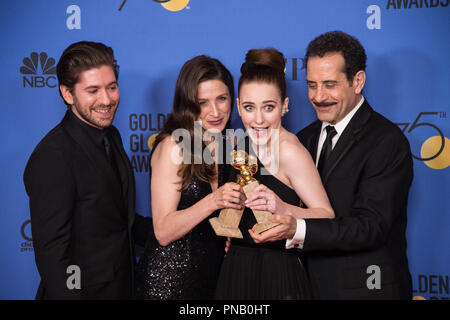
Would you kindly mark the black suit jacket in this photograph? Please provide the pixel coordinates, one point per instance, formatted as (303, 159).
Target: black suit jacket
(79, 215)
(367, 179)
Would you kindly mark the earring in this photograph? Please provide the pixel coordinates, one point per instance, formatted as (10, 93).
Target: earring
(285, 111)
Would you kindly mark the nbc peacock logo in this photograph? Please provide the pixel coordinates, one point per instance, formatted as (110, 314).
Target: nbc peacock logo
(35, 77)
(170, 5)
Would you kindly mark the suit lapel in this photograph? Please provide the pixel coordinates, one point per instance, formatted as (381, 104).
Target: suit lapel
(313, 140)
(130, 187)
(97, 158)
(130, 194)
(348, 138)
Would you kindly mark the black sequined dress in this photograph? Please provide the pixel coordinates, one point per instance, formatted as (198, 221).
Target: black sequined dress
(266, 271)
(187, 268)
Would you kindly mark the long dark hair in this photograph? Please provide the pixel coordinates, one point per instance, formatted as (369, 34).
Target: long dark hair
(186, 110)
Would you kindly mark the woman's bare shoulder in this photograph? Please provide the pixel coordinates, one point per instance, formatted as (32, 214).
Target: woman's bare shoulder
(166, 150)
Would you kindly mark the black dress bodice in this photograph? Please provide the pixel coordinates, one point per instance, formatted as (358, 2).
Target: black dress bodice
(248, 220)
(187, 268)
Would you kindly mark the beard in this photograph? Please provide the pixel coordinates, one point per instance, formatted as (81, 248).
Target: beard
(93, 117)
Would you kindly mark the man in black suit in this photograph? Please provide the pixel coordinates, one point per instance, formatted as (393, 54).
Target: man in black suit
(81, 187)
(366, 168)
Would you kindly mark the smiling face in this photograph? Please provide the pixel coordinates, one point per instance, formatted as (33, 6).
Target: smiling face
(215, 104)
(95, 97)
(261, 108)
(329, 90)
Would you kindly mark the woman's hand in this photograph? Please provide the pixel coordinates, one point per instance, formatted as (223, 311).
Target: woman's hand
(228, 196)
(262, 198)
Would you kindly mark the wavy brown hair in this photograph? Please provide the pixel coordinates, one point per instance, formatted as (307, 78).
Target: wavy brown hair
(186, 110)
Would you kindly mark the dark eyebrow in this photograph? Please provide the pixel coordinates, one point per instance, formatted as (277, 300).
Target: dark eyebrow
(326, 81)
(96, 87)
(267, 101)
(247, 102)
(91, 87)
(220, 95)
(223, 94)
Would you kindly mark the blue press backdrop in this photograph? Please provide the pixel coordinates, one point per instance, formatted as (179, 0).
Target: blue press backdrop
(408, 82)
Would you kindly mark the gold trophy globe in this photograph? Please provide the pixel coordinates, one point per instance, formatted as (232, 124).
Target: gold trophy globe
(227, 223)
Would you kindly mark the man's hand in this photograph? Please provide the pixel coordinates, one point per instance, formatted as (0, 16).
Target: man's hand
(286, 230)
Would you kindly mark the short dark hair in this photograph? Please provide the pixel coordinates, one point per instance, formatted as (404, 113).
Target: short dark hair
(82, 56)
(339, 42)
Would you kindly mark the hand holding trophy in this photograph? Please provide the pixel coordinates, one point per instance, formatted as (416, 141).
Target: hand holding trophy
(227, 224)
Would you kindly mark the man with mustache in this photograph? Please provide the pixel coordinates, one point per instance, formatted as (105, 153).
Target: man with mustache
(366, 168)
(81, 187)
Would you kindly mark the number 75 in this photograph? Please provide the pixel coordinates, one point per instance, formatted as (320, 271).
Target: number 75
(417, 124)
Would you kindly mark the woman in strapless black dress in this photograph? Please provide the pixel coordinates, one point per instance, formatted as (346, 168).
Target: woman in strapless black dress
(267, 270)
(286, 173)
(185, 262)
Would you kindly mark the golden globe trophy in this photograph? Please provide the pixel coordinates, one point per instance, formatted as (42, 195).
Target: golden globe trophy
(227, 223)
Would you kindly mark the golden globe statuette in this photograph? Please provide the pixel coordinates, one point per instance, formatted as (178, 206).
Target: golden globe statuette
(262, 217)
(227, 224)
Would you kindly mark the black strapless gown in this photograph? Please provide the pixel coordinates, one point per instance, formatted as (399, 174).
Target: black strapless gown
(187, 268)
(266, 271)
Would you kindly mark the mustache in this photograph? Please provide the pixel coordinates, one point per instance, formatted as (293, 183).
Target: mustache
(324, 104)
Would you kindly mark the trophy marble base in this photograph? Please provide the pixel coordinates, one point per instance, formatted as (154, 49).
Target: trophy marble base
(264, 226)
(262, 217)
(227, 223)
